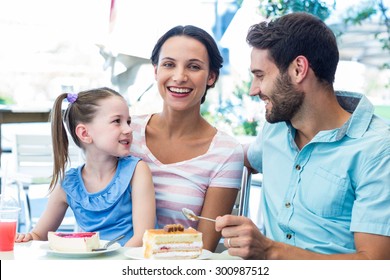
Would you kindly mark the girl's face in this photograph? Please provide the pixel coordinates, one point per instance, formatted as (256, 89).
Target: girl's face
(110, 130)
(182, 73)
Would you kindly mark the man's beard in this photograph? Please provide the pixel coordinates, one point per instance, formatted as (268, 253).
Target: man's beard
(285, 99)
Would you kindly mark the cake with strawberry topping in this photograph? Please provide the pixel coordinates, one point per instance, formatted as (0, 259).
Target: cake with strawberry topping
(73, 242)
(172, 242)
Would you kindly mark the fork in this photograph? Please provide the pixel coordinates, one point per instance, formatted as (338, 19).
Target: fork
(108, 244)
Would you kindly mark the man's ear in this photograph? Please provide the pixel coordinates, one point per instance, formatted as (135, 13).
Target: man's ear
(82, 134)
(300, 68)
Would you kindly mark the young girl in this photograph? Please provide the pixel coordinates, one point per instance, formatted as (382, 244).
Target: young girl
(112, 192)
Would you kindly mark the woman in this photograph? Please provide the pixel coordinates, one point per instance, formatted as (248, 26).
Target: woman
(193, 164)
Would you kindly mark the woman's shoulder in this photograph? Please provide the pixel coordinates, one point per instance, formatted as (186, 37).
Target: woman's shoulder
(139, 123)
(226, 145)
(224, 139)
(138, 119)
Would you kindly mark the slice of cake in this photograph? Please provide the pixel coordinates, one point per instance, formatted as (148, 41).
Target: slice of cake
(73, 242)
(172, 242)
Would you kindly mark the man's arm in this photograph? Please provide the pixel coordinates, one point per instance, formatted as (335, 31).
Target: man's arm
(247, 242)
(368, 247)
(246, 161)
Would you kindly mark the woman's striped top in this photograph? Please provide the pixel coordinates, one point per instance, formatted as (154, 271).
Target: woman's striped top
(184, 184)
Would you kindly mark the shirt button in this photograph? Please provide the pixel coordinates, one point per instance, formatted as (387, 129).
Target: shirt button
(288, 204)
(288, 235)
(298, 167)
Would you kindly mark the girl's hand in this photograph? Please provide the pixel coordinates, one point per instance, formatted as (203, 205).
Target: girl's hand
(23, 237)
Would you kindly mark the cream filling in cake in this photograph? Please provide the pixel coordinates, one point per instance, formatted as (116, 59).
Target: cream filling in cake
(177, 250)
(172, 244)
(73, 242)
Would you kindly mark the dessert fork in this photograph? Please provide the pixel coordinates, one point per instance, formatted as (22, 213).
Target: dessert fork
(108, 244)
(190, 215)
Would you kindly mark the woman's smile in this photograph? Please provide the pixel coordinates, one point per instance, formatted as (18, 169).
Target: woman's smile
(179, 91)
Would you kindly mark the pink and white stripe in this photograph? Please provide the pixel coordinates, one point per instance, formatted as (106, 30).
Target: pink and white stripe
(184, 184)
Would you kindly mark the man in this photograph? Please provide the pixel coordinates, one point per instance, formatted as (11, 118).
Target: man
(325, 157)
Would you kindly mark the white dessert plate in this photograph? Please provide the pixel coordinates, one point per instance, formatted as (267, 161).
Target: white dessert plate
(112, 248)
(137, 253)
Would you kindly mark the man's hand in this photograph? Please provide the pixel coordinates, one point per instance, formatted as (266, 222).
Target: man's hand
(242, 237)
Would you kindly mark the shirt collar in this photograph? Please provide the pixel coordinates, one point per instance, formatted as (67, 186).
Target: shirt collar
(362, 112)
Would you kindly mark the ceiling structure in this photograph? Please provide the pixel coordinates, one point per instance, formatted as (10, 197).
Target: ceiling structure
(361, 43)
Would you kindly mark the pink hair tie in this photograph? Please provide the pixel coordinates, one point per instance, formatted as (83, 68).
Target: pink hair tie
(71, 97)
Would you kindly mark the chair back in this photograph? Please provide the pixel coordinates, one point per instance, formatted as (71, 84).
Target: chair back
(34, 162)
(33, 155)
(241, 206)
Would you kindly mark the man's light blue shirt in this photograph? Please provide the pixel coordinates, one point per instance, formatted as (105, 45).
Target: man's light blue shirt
(339, 183)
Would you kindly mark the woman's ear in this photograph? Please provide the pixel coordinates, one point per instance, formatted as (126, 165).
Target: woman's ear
(211, 79)
(82, 134)
(155, 72)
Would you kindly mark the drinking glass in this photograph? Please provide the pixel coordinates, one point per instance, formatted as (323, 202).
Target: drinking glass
(9, 216)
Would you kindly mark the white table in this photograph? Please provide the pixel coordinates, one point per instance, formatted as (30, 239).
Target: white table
(35, 250)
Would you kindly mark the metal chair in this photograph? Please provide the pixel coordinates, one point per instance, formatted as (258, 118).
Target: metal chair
(33, 165)
(241, 206)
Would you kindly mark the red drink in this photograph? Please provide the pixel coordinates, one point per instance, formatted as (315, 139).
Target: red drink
(7, 235)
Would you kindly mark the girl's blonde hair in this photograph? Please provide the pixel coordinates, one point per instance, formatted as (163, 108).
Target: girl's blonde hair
(82, 108)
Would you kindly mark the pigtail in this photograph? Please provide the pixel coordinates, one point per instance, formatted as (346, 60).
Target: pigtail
(59, 141)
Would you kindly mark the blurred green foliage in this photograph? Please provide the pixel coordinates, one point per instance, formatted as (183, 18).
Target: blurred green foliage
(383, 111)
(276, 8)
(365, 11)
(6, 99)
